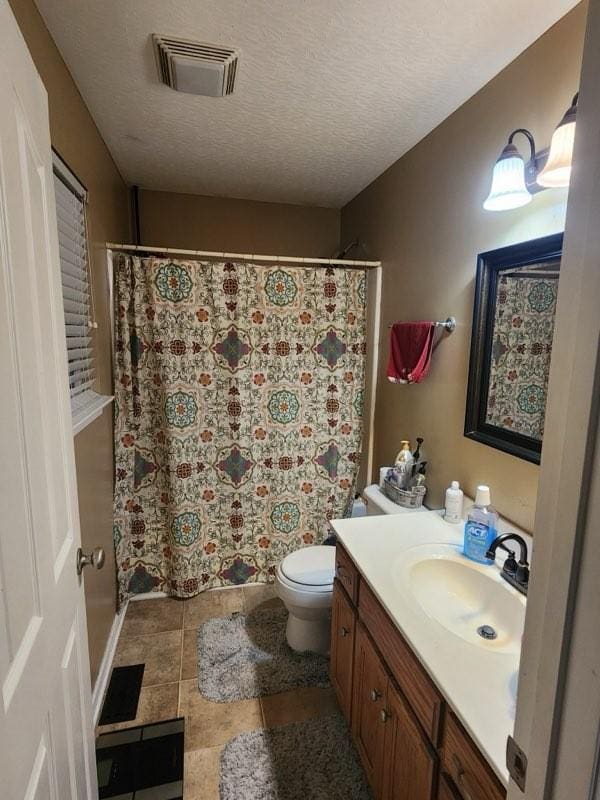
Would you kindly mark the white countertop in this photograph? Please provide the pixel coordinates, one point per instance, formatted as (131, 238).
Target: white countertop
(479, 685)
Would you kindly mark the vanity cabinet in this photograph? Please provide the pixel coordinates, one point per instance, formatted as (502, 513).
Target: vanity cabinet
(399, 762)
(411, 746)
(369, 707)
(410, 762)
(343, 629)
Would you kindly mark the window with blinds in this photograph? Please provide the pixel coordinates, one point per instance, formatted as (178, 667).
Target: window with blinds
(77, 296)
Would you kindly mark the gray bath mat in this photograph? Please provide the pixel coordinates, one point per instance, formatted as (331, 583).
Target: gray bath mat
(312, 760)
(244, 656)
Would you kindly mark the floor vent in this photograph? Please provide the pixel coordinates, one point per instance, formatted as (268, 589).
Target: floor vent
(196, 67)
(122, 695)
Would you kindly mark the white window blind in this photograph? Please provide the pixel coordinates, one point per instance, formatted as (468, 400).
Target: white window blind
(77, 296)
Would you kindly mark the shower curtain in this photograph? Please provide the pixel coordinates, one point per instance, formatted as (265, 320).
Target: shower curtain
(238, 403)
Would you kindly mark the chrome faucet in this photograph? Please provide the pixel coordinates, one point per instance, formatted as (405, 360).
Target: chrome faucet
(515, 573)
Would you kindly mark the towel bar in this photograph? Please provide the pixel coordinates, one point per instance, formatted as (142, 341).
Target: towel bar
(449, 324)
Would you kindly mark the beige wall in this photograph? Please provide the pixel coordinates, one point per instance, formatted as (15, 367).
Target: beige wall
(75, 136)
(194, 222)
(423, 218)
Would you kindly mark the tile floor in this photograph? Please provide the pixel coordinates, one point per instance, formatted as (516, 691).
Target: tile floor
(162, 634)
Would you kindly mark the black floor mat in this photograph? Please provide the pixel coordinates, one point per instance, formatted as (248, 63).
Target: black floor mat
(123, 694)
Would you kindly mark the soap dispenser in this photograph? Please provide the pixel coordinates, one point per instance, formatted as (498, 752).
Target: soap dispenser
(404, 464)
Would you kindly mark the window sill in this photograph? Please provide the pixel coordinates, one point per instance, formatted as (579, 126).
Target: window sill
(88, 409)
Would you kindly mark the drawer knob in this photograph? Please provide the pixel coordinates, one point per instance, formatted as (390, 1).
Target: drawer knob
(384, 714)
(375, 695)
(344, 631)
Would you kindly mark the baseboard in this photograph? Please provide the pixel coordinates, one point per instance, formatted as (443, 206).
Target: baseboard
(106, 664)
(147, 596)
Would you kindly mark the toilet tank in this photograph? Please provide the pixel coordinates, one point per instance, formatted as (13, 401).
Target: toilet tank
(377, 503)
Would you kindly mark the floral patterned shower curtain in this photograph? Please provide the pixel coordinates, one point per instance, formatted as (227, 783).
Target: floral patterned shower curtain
(239, 393)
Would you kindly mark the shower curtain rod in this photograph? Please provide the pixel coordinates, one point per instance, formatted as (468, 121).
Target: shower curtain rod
(241, 256)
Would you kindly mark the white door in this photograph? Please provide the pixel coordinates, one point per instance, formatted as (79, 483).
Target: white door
(46, 733)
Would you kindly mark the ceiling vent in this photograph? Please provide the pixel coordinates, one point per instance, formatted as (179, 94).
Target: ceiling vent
(195, 67)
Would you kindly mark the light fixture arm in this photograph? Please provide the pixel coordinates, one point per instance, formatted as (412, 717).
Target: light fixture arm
(530, 139)
(536, 161)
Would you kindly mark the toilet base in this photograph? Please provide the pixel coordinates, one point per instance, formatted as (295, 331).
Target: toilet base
(309, 634)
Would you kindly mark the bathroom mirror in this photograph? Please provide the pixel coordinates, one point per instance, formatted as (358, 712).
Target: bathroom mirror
(511, 344)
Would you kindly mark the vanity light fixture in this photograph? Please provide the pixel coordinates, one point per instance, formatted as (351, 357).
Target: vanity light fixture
(514, 181)
(557, 171)
(509, 189)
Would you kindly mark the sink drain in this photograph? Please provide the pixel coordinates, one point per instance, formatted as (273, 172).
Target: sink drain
(487, 632)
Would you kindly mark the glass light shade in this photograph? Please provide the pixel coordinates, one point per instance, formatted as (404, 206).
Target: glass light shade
(557, 171)
(508, 183)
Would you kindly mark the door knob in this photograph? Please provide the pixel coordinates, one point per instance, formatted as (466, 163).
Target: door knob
(95, 559)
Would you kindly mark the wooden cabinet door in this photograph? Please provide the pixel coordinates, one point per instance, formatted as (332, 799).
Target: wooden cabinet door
(410, 763)
(446, 790)
(368, 706)
(343, 627)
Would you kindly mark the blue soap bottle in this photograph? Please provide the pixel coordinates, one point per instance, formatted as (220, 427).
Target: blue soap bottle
(481, 527)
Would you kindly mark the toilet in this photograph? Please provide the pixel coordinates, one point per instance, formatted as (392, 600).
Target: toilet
(304, 580)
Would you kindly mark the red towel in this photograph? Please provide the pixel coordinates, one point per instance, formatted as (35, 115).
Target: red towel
(411, 344)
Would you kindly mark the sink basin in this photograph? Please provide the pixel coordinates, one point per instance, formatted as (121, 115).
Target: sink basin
(462, 596)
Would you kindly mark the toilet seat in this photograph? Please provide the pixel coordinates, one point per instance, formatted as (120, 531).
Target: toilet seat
(302, 589)
(311, 569)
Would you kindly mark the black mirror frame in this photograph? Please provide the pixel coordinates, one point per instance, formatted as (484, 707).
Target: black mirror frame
(547, 248)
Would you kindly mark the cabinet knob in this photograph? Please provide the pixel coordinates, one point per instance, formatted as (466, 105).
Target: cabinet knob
(384, 714)
(344, 631)
(375, 695)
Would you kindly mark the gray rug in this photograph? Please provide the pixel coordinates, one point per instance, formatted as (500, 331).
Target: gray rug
(244, 656)
(312, 760)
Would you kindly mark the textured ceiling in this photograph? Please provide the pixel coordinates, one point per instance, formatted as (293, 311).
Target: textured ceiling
(329, 92)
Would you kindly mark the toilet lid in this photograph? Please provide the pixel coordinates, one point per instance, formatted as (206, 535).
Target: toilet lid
(310, 566)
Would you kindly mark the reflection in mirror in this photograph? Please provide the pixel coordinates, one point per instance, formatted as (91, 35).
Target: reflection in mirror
(513, 325)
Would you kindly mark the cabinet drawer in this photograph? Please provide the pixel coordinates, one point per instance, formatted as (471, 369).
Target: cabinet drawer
(346, 572)
(424, 698)
(463, 762)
